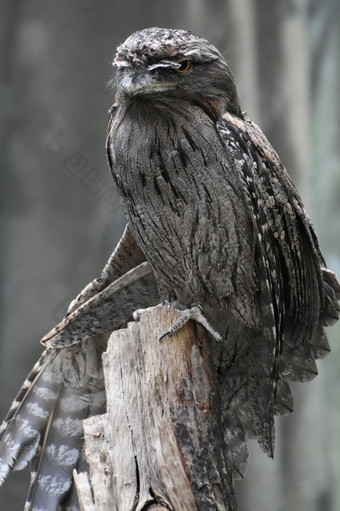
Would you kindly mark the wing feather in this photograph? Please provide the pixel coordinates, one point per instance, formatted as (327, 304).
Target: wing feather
(297, 295)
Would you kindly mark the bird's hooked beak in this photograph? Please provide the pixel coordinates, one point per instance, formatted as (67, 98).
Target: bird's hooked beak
(141, 80)
(133, 84)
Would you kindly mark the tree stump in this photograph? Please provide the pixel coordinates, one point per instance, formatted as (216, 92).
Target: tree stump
(160, 446)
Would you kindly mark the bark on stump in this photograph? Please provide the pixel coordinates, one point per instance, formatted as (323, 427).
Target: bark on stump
(160, 445)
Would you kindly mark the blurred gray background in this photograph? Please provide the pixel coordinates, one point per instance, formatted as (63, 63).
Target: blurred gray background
(60, 217)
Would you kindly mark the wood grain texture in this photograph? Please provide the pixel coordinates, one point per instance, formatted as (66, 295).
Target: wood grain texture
(161, 441)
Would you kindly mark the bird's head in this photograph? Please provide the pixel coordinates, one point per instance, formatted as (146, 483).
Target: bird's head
(177, 64)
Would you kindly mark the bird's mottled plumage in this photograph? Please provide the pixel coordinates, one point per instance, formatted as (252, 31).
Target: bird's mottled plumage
(218, 218)
(44, 423)
(211, 208)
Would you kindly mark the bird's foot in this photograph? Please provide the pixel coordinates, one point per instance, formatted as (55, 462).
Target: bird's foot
(194, 313)
(139, 312)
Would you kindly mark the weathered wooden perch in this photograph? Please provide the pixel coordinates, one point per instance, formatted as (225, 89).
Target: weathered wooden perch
(160, 445)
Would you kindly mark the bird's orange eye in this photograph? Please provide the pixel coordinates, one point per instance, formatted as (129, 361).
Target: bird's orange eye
(184, 66)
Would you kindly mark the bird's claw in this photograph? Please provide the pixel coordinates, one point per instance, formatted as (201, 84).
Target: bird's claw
(139, 312)
(194, 314)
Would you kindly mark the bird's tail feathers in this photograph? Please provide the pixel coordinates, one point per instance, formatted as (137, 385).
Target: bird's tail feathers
(61, 446)
(20, 430)
(250, 402)
(45, 422)
(298, 362)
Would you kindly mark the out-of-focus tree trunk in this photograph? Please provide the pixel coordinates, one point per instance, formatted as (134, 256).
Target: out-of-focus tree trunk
(325, 38)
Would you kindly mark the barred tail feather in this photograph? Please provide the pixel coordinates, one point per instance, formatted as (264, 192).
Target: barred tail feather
(60, 448)
(28, 416)
(46, 426)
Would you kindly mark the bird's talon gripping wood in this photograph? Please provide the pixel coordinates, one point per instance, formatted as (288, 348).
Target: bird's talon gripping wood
(194, 314)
